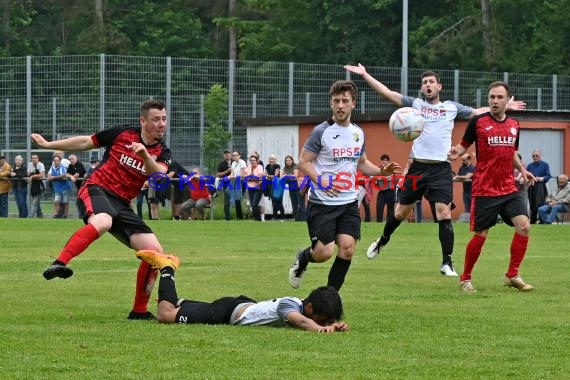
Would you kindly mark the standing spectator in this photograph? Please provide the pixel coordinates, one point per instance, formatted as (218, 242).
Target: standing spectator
(64, 161)
(386, 196)
(496, 137)
(36, 172)
(273, 173)
(430, 164)
(93, 164)
(142, 196)
(334, 147)
(223, 172)
(364, 194)
(522, 184)
(104, 201)
(179, 191)
(200, 198)
(464, 174)
(560, 202)
(5, 186)
(253, 175)
(291, 171)
(57, 175)
(236, 185)
(19, 175)
(537, 192)
(76, 171)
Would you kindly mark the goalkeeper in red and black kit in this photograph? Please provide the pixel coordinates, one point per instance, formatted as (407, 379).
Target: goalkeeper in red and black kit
(132, 154)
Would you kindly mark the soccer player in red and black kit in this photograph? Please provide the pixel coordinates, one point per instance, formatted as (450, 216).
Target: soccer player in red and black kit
(132, 153)
(494, 193)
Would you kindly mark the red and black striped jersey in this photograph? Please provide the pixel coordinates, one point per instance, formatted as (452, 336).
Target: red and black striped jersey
(122, 171)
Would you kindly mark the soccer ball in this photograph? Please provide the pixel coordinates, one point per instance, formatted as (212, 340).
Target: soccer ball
(406, 123)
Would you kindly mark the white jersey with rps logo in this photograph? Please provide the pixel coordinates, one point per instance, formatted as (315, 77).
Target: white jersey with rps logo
(435, 140)
(272, 312)
(338, 151)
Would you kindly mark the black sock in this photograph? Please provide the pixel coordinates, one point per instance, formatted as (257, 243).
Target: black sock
(57, 262)
(391, 224)
(167, 286)
(305, 258)
(446, 238)
(338, 272)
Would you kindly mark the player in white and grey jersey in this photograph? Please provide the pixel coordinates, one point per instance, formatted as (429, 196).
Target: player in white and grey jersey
(330, 158)
(321, 311)
(429, 173)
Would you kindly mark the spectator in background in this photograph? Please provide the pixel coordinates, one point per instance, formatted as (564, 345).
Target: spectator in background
(560, 202)
(464, 174)
(386, 196)
(178, 190)
(273, 172)
(36, 172)
(141, 198)
(200, 198)
(291, 170)
(254, 173)
(5, 186)
(537, 192)
(64, 161)
(364, 194)
(76, 170)
(224, 171)
(236, 184)
(57, 175)
(19, 176)
(93, 164)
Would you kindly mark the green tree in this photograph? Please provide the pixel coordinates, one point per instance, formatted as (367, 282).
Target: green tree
(216, 138)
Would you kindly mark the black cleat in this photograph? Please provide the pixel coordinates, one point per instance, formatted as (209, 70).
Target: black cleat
(57, 270)
(147, 315)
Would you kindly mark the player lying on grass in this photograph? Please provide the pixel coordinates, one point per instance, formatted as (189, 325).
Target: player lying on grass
(321, 311)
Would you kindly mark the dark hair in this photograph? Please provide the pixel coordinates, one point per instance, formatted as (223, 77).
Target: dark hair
(226, 151)
(499, 83)
(430, 74)
(341, 86)
(384, 157)
(151, 104)
(292, 160)
(326, 302)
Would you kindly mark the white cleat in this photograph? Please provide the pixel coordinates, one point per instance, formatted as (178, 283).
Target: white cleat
(374, 249)
(447, 270)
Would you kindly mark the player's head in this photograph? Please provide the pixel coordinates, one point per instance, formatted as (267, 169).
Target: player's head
(153, 121)
(323, 306)
(498, 98)
(342, 100)
(431, 85)
(384, 157)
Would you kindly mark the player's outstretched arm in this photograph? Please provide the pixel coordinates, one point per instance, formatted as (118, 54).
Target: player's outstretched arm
(512, 105)
(392, 96)
(75, 143)
(299, 321)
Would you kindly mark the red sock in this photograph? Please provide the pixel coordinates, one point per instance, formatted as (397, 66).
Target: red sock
(472, 253)
(146, 277)
(78, 243)
(518, 250)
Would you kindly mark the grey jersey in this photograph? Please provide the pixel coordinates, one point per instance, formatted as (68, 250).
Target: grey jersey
(271, 312)
(435, 141)
(338, 151)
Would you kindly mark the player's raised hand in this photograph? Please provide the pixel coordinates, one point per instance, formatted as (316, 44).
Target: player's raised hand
(39, 140)
(138, 148)
(360, 70)
(515, 105)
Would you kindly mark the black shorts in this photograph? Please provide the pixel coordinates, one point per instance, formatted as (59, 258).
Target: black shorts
(325, 222)
(92, 200)
(218, 312)
(434, 180)
(485, 210)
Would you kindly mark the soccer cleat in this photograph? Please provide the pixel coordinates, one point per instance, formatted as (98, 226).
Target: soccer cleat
(467, 287)
(517, 282)
(57, 270)
(158, 260)
(447, 270)
(147, 316)
(296, 273)
(374, 249)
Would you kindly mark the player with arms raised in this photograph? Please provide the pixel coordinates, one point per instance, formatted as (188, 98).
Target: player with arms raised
(104, 200)
(494, 193)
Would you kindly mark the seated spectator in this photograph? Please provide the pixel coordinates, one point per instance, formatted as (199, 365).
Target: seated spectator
(560, 202)
(200, 198)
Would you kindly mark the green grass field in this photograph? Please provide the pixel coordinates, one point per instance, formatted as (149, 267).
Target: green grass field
(407, 321)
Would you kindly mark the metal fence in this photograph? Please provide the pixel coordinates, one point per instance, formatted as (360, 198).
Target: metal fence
(70, 95)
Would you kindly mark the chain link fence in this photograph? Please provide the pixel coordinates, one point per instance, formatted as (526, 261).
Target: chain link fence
(72, 95)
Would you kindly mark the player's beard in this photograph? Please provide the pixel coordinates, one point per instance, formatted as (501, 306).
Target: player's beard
(342, 117)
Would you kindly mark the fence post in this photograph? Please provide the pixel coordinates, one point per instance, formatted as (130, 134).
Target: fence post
(554, 92)
(53, 118)
(478, 101)
(362, 102)
(231, 81)
(307, 103)
(202, 126)
(29, 107)
(291, 88)
(168, 98)
(254, 105)
(539, 98)
(456, 85)
(7, 125)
